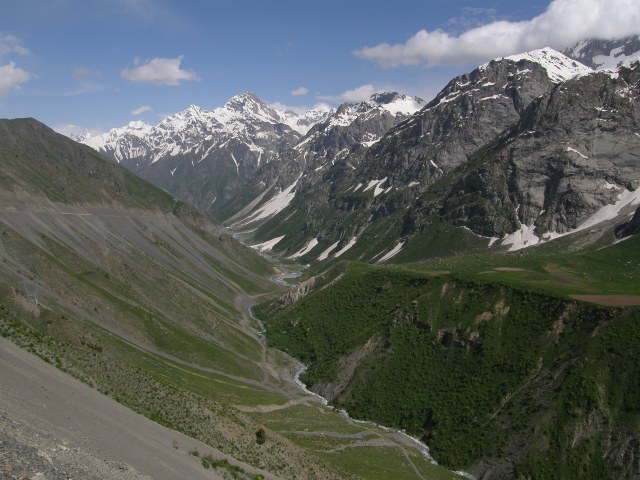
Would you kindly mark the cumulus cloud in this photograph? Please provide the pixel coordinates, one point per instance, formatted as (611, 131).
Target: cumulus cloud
(159, 71)
(11, 44)
(562, 24)
(300, 91)
(83, 72)
(357, 94)
(12, 77)
(141, 110)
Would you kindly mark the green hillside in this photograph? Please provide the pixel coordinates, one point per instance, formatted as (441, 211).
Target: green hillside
(485, 358)
(147, 300)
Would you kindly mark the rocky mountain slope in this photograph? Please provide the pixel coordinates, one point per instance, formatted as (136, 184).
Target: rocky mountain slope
(351, 127)
(146, 300)
(204, 157)
(606, 54)
(542, 109)
(224, 159)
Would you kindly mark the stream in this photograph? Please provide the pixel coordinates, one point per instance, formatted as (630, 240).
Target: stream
(281, 279)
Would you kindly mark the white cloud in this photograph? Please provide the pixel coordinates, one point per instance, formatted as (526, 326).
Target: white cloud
(159, 71)
(11, 44)
(12, 77)
(300, 91)
(141, 110)
(83, 72)
(563, 23)
(357, 94)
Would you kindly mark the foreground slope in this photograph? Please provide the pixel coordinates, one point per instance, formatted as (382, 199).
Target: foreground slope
(144, 299)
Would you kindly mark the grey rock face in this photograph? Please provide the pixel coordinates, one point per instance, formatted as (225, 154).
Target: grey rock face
(632, 227)
(469, 113)
(206, 157)
(604, 53)
(575, 150)
(352, 128)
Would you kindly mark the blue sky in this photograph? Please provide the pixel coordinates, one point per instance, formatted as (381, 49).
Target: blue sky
(97, 64)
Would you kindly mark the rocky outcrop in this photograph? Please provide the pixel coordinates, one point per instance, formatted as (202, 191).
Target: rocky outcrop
(632, 227)
(296, 293)
(575, 150)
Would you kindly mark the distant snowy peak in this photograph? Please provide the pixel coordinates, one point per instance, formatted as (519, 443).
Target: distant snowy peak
(118, 139)
(302, 122)
(559, 67)
(398, 103)
(243, 118)
(247, 106)
(606, 54)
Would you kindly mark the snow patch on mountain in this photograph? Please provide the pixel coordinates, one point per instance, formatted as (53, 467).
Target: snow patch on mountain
(306, 249)
(325, 254)
(606, 54)
(526, 237)
(351, 243)
(393, 252)
(559, 67)
(273, 206)
(268, 245)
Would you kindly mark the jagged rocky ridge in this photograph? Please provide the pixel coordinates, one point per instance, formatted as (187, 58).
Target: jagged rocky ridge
(523, 147)
(602, 54)
(204, 157)
(375, 170)
(352, 127)
(213, 159)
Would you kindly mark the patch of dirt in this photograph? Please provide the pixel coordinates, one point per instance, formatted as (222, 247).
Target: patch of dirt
(483, 317)
(346, 369)
(610, 300)
(509, 269)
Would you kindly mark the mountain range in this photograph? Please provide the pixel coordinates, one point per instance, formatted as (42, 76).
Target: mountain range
(400, 165)
(507, 361)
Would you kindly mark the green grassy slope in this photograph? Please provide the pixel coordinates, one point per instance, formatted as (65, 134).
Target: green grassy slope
(145, 299)
(498, 372)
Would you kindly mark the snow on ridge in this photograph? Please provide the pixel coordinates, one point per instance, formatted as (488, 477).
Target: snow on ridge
(303, 122)
(268, 245)
(615, 59)
(196, 129)
(392, 253)
(559, 67)
(273, 206)
(404, 106)
(351, 243)
(306, 249)
(325, 254)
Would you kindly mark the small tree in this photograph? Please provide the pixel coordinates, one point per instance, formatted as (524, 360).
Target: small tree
(261, 436)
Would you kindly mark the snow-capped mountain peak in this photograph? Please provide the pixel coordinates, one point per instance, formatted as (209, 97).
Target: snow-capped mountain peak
(398, 103)
(302, 122)
(559, 67)
(394, 103)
